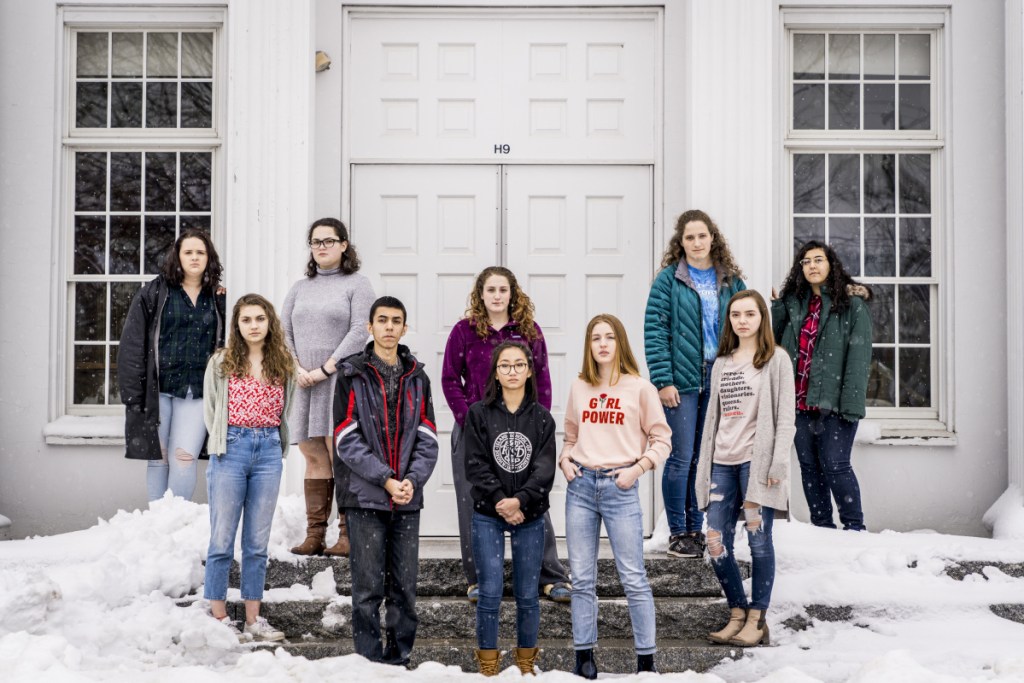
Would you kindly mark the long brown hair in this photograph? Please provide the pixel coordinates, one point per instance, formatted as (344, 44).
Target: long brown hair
(520, 308)
(493, 391)
(624, 362)
(721, 256)
(175, 274)
(278, 364)
(729, 342)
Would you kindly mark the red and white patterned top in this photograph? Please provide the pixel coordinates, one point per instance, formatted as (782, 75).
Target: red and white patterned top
(251, 403)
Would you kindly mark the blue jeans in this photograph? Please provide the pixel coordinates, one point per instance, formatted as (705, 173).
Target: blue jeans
(489, 555)
(182, 432)
(384, 561)
(728, 491)
(677, 482)
(245, 479)
(593, 497)
(823, 448)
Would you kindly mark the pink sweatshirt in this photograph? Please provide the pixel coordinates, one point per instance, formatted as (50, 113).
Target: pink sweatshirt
(613, 426)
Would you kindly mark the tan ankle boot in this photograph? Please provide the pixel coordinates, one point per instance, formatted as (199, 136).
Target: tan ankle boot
(754, 632)
(318, 506)
(737, 617)
(526, 657)
(341, 548)
(488, 661)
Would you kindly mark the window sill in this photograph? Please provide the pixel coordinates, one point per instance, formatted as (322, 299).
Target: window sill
(81, 430)
(929, 433)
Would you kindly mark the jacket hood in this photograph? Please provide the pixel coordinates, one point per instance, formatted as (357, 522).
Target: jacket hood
(357, 362)
(682, 273)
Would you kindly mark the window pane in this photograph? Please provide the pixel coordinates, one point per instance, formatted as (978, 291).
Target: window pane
(844, 236)
(91, 105)
(161, 179)
(89, 375)
(807, 229)
(879, 106)
(879, 183)
(915, 106)
(90, 311)
(915, 183)
(196, 105)
(113, 390)
(195, 223)
(808, 183)
(126, 105)
(161, 105)
(125, 244)
(121, 294)
(162, 55)
(91, 55)
(90, 245)
(195, 181)
(879, 55)
(160, 236)
(882, 306)
(915, 378)
(844, 183)
(808, 106)
(915, 314)
(197, 55)
(881, 380)
(843, 57)
(91, 181)
(808, 56)
(879, 247)
(125, 181)
(915, 56)
(127, 55)
(843, 107)
(915, 247)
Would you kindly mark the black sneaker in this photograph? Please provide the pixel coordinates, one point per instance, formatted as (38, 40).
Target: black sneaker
(700, 541)
(683, 545)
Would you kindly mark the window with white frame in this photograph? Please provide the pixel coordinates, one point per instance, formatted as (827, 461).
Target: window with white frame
(141, 149)
(864, 144)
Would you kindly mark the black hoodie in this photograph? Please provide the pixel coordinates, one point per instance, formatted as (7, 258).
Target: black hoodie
(510, 455)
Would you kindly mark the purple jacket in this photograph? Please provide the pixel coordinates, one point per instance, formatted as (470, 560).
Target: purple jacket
(467, 360)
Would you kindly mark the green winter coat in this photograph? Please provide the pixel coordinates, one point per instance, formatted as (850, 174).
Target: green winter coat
(673, 327)
(842, 354)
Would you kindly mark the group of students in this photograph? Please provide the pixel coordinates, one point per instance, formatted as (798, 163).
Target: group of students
(731, 389)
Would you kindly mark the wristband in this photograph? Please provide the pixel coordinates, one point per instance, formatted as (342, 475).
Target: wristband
(324, 370)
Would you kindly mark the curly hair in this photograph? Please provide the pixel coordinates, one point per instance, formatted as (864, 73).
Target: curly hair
(520, 308)
(278, 364)
(175, 274)
(837, 283)
(721, 257)
(349, 258)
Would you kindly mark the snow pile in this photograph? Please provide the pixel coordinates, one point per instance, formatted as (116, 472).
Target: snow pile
(1006, 516)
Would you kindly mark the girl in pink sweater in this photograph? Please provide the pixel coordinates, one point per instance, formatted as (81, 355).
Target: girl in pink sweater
(615, 432)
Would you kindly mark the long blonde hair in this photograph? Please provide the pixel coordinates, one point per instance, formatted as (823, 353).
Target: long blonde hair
(278, 364)
(624, 362)
(520, 308)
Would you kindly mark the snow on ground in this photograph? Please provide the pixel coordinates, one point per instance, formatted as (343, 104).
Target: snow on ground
(100, 605)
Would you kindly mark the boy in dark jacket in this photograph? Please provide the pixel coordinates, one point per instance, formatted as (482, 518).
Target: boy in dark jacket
(385, 451)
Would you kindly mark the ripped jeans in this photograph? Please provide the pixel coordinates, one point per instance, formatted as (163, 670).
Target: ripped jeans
(182, 432)
(728, 491)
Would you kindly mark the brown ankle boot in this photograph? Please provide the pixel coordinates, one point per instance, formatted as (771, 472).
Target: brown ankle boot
(318, 506)
(526, 657)
(341, 548)
(754, 632)
(737, 618)
(488, 661)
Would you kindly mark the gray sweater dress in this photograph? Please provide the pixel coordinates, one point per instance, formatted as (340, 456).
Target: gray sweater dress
(323, 317)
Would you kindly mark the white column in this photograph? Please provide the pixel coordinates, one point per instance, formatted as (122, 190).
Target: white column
(1015, 240)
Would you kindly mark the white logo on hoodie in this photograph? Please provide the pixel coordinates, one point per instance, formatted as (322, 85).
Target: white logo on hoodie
(512, 451)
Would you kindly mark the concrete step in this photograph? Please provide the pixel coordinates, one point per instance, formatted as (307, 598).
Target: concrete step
(440, 576)
(455, 618)
(613, 655)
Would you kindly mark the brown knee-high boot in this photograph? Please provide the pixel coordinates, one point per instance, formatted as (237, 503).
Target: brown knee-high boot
(341, 548)
(318, 507)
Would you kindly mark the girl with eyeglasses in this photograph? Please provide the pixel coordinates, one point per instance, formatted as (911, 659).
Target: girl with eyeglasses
(510, 460)
(324, 319)
(821, 319)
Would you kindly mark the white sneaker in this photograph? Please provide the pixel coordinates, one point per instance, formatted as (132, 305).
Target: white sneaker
(262, 630)
(233, 626)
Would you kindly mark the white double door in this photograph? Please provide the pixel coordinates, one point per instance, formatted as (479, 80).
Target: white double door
(578, 238)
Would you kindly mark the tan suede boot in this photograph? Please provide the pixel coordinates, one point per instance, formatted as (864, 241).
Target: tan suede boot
(737, 617)
(318, 506)
(341, 548)
(526, 657)
(754, 632)
(488, 661)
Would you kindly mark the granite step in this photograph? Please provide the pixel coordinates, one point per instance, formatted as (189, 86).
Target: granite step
(455, 618)
(614, 656)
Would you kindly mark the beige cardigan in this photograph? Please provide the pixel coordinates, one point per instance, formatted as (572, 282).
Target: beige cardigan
(215, 407)
(776, 426)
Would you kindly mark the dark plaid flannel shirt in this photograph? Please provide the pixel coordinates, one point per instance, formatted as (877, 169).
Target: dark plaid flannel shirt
(188, 335)
(808, 337)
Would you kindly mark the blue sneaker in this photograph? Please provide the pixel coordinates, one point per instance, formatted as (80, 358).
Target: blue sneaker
(558, 592)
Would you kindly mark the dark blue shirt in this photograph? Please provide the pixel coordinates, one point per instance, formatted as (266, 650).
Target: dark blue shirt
(188, 335)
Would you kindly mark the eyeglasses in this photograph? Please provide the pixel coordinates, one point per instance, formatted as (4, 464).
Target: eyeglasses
(326, 244)
(818, 260)
(518, 367)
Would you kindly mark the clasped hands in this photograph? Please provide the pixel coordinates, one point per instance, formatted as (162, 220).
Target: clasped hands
(307, 378)
(509, 510)
(400, 491)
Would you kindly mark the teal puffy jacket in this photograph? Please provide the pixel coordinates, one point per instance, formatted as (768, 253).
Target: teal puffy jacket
(842, 354)
(673, 327)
